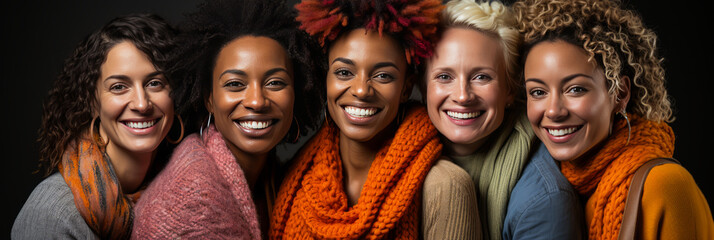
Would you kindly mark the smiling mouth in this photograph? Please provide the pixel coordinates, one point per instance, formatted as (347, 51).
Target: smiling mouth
(256, 124)
(140, 124)
(563, 131)
(463, 116)
(360, 112)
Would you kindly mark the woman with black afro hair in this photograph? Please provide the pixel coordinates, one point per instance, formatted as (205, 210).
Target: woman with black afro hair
(249, 82)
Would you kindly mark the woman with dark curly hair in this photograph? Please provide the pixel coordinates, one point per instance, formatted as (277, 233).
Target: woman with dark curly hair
(103, 131)
(250, 83)
(586, 62)
(367, 173)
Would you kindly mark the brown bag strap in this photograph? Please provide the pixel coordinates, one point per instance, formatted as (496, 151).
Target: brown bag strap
(634, 195)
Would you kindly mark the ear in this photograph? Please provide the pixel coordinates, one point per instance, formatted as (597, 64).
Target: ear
(407, 89)
(208, 102)
(623, 95)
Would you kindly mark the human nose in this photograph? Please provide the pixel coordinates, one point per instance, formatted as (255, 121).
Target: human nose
(361, 87)
(463, 94)
(141, 101)
(556, 109)
(255, 99)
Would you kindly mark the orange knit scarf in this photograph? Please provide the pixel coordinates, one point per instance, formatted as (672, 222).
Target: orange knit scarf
(97, 194)
(610, 170)
(312, 204)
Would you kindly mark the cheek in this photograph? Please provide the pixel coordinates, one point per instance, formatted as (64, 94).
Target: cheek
(111, 107)
(535, 109)
(163, 101)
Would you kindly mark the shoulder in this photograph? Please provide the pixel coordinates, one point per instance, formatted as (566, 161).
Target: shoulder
(673, 205)
(50, 212)
(445, 173)
(542, 202)
(670, 186)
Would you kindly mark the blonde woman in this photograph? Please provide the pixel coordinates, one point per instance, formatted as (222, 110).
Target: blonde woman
(472, 98)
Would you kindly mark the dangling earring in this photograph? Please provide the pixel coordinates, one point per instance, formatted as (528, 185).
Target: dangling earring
(297, 124)
(97, 138)
(180, 137)
(200, 130)
(629, 128)
(326, 121)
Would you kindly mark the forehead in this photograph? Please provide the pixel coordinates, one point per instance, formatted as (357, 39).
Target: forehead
(558, 57)
(460, 43)
(125, 57)
(369, 46)
(247, 51)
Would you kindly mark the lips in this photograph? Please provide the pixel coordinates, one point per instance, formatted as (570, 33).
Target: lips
(140, 124)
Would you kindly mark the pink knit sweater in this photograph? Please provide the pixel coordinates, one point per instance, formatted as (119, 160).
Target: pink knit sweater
(202, 193)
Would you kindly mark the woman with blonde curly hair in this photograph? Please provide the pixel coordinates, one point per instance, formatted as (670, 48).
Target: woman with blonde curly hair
(586, 62)
(471, 85)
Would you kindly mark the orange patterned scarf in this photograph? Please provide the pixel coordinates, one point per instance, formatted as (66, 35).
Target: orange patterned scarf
(97, 194)
(610, 170)
(312, 203)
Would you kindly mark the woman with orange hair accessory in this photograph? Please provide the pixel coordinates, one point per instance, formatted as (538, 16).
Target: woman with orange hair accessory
(368, 171)
(596, 98)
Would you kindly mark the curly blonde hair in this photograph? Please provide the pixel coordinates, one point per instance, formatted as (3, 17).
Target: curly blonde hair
(615, 37)
(492, 18)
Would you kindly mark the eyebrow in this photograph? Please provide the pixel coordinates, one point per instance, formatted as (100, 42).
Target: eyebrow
(233, 71)
(275, 70)
(127, 78)
(564, 80)
(376, 66)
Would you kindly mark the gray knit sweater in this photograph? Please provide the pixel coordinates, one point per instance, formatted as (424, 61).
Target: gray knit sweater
(50, 213)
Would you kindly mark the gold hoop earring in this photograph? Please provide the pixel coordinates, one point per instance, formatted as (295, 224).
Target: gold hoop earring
(97, 139)
(629, 128)
(297, 124)
(181, 136)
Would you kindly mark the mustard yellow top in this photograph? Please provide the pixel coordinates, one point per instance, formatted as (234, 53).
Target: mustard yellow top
(672, 207)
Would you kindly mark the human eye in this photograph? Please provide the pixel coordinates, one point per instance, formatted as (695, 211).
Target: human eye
(443, 77)
(536, 93)
(118, 87)
(276, 84)
(156, 84)
(234, 85)
(577, 90)
(384, 77)
(482, 77)
(342, 73)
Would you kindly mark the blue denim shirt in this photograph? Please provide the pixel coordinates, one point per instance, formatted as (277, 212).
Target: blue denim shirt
(543, 204)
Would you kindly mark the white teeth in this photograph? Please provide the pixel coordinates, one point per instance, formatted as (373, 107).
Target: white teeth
(255, 124)
(360, 112)
(460, 115)
(141, 125)
(562, 132)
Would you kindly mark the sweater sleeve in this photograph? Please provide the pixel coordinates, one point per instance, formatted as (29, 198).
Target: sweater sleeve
(50, 213)
(449, 208)
(673, 207)
(188, 200)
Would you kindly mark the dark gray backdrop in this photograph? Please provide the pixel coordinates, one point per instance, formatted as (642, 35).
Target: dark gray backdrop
(38, 36)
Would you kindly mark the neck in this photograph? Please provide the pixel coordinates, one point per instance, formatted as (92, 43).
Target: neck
(459, 149)
(130, 167)
(251, 164)
(357, 158)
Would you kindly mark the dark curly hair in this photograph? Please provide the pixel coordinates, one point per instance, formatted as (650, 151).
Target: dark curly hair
(615, 37)
(71, 102)
(215, 24)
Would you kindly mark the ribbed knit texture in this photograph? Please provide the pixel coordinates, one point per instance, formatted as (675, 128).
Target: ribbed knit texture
(312, 203)
(202, 193)
(611, 169)
(97, 194)
(496, 167)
